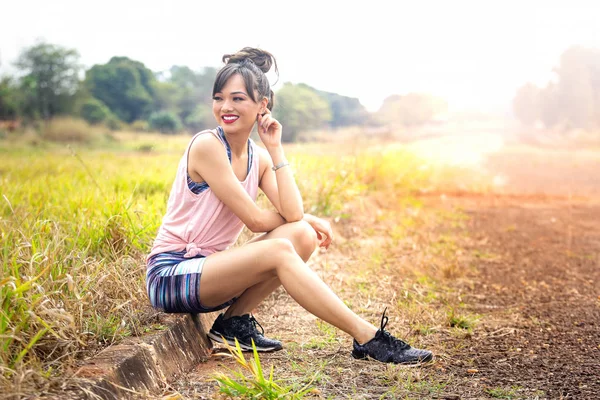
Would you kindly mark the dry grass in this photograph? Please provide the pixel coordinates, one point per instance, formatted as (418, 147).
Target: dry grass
(74, 222)
(72, 225)
(68, 129)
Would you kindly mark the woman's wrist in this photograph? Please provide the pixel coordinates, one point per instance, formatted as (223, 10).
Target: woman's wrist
(309, 218)
(280, 165)
(277, 155)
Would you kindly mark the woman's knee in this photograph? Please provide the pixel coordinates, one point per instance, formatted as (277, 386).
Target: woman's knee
(284, 256)
(304, 238)
(281, 249)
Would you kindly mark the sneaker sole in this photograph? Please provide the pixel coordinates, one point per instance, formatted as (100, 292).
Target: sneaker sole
(245, 347)
(405, 365)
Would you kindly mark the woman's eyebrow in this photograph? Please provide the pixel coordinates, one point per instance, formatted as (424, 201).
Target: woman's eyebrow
(244, 93)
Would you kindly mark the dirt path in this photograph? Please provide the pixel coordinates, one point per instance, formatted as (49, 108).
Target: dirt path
(543, 292)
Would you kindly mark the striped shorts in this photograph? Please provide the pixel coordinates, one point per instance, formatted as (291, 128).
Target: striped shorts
(173, 283)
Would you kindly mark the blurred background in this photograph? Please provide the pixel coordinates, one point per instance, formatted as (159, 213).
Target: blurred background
(401, 69)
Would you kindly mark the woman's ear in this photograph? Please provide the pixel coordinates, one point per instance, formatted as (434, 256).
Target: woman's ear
(263, 105)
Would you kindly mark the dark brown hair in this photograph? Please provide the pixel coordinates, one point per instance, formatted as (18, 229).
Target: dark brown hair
(251, 64)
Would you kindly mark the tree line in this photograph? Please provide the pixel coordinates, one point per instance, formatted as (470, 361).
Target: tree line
(571, 100)
(51, 82)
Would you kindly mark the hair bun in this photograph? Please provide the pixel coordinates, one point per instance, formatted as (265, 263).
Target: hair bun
(261, 58)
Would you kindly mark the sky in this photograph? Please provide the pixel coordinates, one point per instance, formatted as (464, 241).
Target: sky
(474, 54)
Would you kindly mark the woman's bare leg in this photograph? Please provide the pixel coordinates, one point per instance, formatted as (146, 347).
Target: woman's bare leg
(229, 273)
(252, 297)
(304, 239)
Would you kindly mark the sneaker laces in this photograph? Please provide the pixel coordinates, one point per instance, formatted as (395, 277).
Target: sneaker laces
(254, 323)
(387, 337)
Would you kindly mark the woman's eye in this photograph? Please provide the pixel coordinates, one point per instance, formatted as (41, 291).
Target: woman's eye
(238, 98)
(216, 98)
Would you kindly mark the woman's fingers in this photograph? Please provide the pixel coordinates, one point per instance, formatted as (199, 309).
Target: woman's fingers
(329, 235)
(327, 241)
(267, 122)
(326, 233)
(262, 118)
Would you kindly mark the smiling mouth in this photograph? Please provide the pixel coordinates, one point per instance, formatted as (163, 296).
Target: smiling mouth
(229, 118)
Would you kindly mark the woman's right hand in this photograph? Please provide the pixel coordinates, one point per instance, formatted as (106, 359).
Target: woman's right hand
(322, 228)
(269, 130)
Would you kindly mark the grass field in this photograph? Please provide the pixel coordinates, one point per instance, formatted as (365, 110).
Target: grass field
(77, 220)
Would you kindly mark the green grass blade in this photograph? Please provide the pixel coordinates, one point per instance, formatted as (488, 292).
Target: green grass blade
(29, 346)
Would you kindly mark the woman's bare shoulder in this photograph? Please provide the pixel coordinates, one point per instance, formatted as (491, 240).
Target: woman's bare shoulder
(205, 143)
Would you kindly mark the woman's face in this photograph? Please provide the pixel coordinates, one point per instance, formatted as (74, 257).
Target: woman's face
(234, 109)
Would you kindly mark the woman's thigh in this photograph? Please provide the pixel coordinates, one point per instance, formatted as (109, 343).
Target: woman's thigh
(301, 234)
(229, 273)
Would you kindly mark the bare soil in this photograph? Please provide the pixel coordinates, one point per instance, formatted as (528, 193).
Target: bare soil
(540, 298)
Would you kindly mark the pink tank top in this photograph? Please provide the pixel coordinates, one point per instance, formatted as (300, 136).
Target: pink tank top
(201, 223)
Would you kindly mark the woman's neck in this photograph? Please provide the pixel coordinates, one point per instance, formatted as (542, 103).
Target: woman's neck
(238, 144)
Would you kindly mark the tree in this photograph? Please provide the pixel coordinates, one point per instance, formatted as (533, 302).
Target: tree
(298, 108)
(188, 94)
(345, 111)
(94, 111)
(573, 102)
(550, 112)
(165, 122)
(579, 86)
(527, 104)
(8, 98)
(201, 118)
(167, 96)
(50, 79)
(126, 86)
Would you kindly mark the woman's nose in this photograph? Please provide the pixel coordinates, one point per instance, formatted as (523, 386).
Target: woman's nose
(227, 105)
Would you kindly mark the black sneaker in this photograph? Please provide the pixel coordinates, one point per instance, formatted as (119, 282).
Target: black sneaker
(386, 348)
(244, 329)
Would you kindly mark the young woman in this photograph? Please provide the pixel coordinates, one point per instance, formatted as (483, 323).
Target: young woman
(193, 269)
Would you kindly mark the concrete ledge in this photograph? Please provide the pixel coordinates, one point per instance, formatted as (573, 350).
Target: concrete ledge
(144, 365)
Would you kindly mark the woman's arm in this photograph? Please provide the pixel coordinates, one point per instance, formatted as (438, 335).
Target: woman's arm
(280, 185)
(207, 159)
(269, 184)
